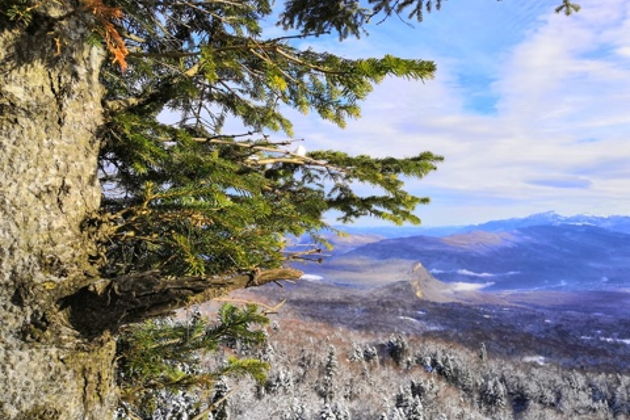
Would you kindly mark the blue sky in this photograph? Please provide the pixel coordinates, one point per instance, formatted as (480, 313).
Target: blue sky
(530, 109)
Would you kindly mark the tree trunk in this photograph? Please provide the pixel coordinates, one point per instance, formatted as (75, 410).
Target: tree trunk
(50, 111)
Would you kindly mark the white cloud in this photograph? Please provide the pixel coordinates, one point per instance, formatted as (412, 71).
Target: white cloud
(468, 287)
(562, 113)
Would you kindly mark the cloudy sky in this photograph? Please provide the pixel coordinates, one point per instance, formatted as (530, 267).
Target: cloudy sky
(530, 109)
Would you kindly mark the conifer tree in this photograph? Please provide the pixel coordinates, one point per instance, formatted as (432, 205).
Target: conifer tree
(327, 387)
(397, 347)
(483, 352)
(493, 395)
(297, 411)
(123, 217)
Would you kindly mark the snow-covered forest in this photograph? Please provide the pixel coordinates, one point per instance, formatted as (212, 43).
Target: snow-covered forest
(321, 372)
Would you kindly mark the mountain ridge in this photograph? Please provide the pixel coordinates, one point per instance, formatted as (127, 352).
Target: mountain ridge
(619, 223)
(563, 256)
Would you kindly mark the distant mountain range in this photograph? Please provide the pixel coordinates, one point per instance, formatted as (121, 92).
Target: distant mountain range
(543, 251)
(615, 223)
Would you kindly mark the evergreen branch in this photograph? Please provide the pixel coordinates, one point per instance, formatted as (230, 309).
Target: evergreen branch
(110, 303)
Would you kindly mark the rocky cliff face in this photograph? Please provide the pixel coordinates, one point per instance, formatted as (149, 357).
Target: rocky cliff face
(425, 286)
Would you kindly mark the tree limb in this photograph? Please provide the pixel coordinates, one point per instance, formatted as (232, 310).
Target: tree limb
(111, 303)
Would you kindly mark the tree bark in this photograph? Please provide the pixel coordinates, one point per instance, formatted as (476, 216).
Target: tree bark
(141, 296)
(50, 112)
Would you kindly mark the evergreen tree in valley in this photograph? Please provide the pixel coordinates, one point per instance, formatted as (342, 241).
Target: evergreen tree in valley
(327, 387)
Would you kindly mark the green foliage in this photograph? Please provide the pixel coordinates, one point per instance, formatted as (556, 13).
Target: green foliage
(255, 368)
(348, 17)
(568, 7)
(16, 11)
(168, 355)
(189, 199)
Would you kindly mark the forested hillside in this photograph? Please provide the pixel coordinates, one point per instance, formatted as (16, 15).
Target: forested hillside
(321, 371)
